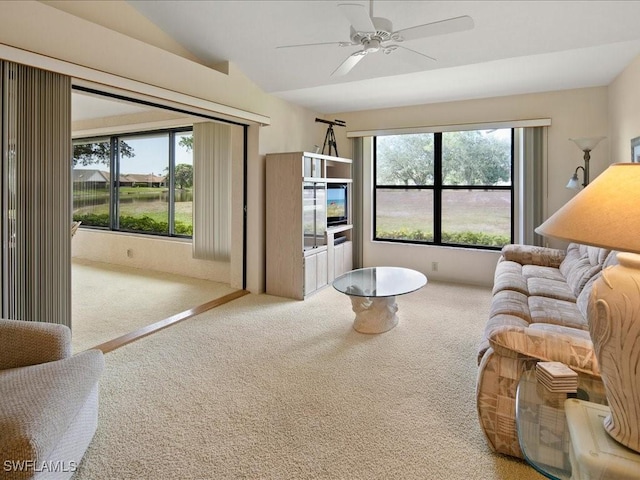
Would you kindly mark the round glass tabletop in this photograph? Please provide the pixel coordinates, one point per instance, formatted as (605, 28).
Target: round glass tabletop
(380, 282)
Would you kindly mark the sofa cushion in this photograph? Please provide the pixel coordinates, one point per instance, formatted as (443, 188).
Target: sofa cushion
(583, 299)
(508, 276)
(543, 287)
(533, 255)
(509, 302)
(581, 264)
(581, 274)
(557, 312)
(538, 271)
(575, 252)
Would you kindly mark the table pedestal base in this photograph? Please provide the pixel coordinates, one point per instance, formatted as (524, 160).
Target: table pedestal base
(374, 314)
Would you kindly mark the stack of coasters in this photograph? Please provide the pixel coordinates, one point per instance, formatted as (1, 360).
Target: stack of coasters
(557, 377)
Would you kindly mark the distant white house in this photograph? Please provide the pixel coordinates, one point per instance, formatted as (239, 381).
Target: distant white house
(100, 179)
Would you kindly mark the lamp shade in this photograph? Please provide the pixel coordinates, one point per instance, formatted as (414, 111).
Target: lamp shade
(605, 214)
(574, 182)
(587, 143)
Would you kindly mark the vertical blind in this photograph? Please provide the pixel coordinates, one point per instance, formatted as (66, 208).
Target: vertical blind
(357, 205)
(534, 163)
(212, 191)
(35, 186)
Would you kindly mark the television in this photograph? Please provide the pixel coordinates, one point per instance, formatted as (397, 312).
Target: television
(337, 199)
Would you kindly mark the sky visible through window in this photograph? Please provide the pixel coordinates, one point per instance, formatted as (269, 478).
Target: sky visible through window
(146, 155)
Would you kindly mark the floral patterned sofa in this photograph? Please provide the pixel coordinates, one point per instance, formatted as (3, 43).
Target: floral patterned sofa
(538, 312)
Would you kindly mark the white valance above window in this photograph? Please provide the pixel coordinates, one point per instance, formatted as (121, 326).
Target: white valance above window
(539, 122)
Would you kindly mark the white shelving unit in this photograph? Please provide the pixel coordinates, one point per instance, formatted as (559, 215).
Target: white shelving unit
(305, 254)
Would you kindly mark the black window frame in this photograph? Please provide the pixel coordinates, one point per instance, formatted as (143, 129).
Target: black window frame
(114, 169)
(438, 188)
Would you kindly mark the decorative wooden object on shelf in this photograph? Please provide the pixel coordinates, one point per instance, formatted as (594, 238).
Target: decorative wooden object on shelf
(305, 254)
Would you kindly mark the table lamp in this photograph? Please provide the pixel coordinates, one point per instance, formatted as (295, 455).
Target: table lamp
(607, 214)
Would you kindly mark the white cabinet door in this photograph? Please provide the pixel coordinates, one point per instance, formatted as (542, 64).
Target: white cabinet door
(347, 256)
(321, 269)
(310, 274)
(338, 262)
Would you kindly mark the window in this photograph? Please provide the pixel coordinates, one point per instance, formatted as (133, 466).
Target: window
(135, 183)
(451, 188)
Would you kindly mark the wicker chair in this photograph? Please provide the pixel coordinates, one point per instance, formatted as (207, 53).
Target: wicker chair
(48, 400)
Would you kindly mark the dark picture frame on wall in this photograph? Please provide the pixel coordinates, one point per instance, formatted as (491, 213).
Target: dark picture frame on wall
(635, 150)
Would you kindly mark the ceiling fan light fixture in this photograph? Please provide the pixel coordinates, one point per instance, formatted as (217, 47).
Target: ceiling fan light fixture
(372, 45)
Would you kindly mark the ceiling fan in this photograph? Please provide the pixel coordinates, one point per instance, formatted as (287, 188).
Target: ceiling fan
(374, 34)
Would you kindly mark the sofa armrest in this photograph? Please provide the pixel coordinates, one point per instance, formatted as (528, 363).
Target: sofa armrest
(552, 343)
(29, 343)
(533, 255)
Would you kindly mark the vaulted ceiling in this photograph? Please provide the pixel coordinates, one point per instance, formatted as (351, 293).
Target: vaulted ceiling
(514, 47)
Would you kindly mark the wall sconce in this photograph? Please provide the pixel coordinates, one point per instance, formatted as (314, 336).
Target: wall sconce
(586, 145)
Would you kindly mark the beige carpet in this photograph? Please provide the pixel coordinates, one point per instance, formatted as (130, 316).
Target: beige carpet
(269, 388)
(111, 300)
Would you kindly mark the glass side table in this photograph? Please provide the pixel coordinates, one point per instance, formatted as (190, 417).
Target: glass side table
(542, 425)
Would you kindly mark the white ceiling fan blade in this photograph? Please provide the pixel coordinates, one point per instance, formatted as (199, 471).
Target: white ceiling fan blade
(357, 16)
(340, 44)
(451, 25)
(351, 61)
(391, 48)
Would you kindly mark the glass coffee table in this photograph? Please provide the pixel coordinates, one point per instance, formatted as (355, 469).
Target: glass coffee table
(373, 294)
(541, 422)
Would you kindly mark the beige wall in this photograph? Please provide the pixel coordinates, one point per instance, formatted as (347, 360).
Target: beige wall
(573, 113)
(142, 251)
(624, 111)
(122, 17)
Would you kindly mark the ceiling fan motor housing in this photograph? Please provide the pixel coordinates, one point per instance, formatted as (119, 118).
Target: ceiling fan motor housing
(382, 33)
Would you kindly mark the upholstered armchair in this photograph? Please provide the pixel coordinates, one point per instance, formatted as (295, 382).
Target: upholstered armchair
(48, 400)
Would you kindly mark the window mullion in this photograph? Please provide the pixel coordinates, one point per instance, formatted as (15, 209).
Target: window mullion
(437, 188)
(374, 202)
(114, 168)
(172, 182)
(513, 183)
